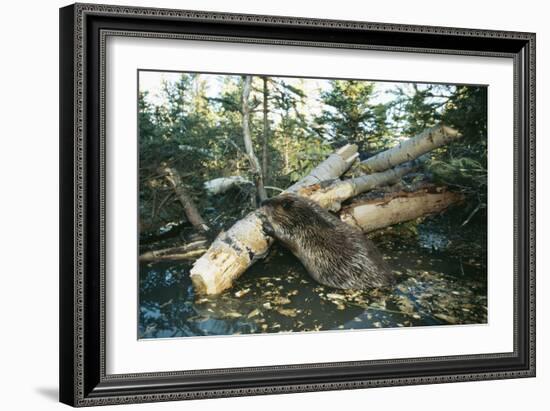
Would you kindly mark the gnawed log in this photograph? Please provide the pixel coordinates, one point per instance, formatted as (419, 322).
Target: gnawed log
(189, 251)
(333, 167)
(223, 184)
(193, 215)
(386, 209)
(410, 149)
(332, 196)
(230, 255)
(238, 248)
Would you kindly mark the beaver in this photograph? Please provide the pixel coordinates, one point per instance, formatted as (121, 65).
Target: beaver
(334, 253)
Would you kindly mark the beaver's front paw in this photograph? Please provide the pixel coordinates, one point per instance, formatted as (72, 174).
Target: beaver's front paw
(267, 227)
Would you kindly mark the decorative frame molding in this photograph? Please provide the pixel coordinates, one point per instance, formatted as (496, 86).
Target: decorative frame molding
(83, 32)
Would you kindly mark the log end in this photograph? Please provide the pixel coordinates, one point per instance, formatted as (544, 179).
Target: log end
(199, 285)
(347, 151)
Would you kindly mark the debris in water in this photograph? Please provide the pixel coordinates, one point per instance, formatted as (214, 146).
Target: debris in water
(253, 313)
(240, 293)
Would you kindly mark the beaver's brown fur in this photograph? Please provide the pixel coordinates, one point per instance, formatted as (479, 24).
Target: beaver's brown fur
(334, 253)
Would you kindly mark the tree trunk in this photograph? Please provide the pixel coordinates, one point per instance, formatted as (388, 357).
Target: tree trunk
(410, 149)
(193, 215)
(254, 163)
(380, 211)
(222, 184)
(332, 196)
(186, 252)
(333, 167)
(235, 250)
(266, 130)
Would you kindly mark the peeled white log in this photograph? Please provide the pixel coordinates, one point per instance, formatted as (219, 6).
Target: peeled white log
(333, 167)
(410, 149)
(331, 197)
(223, 184)
(398, 207)
(238, 248)
(230, 255)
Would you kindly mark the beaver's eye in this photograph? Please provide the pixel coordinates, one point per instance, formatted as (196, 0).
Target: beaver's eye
(286, 204)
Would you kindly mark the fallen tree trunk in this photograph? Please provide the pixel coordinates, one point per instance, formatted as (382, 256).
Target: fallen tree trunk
(193, 215)
(222, 184)
(410, 149)
(188, 251)
(235, 250)
(385, 209)
(332, 196)
(333, 167)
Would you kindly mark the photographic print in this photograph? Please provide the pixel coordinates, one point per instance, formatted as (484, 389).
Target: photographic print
(273, 187)
(273, 204)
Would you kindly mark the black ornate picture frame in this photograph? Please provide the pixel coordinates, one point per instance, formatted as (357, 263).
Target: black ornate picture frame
(83, 31)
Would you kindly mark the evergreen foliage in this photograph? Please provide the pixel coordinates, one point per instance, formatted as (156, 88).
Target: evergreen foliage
(194, 125)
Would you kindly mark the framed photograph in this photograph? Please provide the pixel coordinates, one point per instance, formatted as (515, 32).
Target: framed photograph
(260, 204)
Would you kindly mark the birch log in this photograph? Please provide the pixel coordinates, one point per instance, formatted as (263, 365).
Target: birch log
(222, 184)
(410, 149)
(236, 249)
(398, 207)
(332, 196)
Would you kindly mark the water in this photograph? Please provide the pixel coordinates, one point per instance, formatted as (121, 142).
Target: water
(441, 281)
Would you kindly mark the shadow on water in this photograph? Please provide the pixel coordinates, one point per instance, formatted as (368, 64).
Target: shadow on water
(440, 281)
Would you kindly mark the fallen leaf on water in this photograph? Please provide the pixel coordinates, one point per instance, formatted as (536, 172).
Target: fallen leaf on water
(240, 293)
(446, 318)
(281, 300)
(253, 313)
(288, 312)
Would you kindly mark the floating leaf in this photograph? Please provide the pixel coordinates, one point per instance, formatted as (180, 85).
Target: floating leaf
(240, 293)
(336, 296)
(253, 313)
(288, 312)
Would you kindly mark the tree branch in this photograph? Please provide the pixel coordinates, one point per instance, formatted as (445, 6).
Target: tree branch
(193, 215)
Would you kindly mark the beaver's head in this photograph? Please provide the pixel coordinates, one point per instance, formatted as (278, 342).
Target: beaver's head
(280, 214)
(287, 213)
(283, 207)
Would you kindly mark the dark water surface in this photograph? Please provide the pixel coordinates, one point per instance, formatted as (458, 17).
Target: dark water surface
(441, 280)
